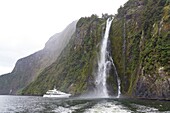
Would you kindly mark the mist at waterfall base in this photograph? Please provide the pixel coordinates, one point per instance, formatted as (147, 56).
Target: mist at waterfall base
(33, 104)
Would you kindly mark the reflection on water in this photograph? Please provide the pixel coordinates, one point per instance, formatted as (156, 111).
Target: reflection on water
(39, 104)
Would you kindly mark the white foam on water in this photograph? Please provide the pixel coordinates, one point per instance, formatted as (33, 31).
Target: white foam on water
(107, 107)
(68, 109)
(61, 109)
(145, 109)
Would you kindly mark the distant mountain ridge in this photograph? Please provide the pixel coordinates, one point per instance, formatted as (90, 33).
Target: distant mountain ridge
(28, 68)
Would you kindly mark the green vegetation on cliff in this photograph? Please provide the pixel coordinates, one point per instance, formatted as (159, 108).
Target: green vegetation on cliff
(140, 42)
(73, 70)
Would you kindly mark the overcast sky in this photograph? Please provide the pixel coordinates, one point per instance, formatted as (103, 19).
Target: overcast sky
(25, 25)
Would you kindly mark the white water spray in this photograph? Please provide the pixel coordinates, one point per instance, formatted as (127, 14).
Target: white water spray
(102, 65)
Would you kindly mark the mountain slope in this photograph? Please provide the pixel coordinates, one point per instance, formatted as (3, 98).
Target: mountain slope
(27, 69)
(73, 70)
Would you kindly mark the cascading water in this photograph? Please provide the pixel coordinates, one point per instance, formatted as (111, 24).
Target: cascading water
(118, 79)
(104, 65)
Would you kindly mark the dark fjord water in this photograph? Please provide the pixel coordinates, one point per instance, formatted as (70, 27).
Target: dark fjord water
(31, 104)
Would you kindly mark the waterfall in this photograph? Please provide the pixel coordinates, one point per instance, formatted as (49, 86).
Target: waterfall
(118, 79)
(103, 64)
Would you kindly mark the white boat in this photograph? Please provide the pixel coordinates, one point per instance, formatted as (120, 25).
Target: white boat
(57, 94)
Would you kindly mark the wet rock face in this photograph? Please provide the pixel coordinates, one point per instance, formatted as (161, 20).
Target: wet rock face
(158, 89)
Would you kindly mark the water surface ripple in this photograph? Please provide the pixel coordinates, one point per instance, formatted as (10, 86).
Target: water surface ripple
(35, 104)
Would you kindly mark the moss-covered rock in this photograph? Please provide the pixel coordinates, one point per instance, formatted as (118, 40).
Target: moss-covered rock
(140, 44)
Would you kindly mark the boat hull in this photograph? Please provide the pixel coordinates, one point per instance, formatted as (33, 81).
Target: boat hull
(57, 96)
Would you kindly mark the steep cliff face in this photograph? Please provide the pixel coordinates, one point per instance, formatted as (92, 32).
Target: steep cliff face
(73, 70)
(27, 69)
(140, 41)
